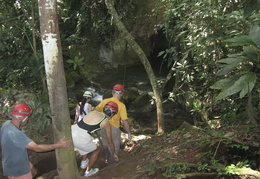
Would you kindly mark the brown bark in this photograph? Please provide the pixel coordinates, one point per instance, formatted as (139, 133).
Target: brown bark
(56, 83)
(132, 43)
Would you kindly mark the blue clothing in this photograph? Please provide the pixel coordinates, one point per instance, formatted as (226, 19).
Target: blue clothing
(15, 160)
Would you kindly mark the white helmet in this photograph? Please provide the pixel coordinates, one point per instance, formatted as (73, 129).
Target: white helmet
(87, 94)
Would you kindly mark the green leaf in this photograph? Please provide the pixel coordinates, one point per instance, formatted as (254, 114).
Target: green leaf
(224, 83)
(255, 34)
(226, 69)
(70, 61)
(233, 60)
(245, 84)
(160, 53)
(239, 41)
(250, 7)
(249, 81)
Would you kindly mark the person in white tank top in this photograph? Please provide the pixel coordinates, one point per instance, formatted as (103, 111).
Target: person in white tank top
(83, 108)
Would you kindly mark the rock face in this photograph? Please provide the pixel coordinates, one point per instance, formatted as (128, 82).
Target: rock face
(142, 20)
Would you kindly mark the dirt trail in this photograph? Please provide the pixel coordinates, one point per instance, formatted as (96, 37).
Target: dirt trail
(160, 156)
(129, 167)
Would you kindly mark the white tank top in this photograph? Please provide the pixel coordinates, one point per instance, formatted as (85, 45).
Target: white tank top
(85, 109)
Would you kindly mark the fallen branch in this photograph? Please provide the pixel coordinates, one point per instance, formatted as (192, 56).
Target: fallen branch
(247, 171)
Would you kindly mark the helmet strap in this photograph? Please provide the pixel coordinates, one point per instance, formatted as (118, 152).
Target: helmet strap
(21, 121)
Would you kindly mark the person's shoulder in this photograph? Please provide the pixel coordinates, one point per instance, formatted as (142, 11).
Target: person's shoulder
(105, 123)
(6, 123)
(108, 99)
(120, 103)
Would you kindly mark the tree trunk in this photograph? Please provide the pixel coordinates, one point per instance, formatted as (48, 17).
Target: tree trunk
(129, 38)
(56, 83)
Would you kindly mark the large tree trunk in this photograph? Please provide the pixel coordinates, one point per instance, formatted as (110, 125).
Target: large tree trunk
(66, 162)
(129, 38)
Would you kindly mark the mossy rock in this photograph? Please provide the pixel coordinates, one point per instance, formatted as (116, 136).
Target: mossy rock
(143, 103)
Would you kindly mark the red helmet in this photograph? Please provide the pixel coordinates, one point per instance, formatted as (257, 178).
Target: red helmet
(119, 87)
(110, 108)
(21, 109)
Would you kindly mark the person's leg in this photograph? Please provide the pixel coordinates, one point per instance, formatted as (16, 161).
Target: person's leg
(105, 143)
(84, 161)
(93, 158)
(116, 136)
(33, 170)
(84, 157)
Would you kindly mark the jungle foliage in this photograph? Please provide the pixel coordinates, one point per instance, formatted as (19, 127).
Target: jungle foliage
(214, 48)
(213, 52)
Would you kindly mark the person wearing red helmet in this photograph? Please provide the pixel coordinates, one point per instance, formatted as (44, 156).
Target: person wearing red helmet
(14, 144)
(83, 140)
(117, 93)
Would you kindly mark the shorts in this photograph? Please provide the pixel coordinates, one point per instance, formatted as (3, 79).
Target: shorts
(26, 176)
(82, 140)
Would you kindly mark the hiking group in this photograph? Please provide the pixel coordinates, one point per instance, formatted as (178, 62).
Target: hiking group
(106, 118)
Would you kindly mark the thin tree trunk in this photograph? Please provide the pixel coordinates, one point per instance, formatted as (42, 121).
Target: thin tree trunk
(34, 46)
(129, 38)
(56, 83)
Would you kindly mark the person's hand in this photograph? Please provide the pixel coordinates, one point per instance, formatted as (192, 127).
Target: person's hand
(64, 144)
(116, 158)
(75, 122)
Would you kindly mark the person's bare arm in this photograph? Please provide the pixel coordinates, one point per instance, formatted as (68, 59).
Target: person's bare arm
(126, 126)
(48, 147)
(76, 115)
(89, 107)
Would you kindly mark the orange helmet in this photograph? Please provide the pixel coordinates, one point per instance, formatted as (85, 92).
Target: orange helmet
(21, 109)
(110, 108)
(119, 87)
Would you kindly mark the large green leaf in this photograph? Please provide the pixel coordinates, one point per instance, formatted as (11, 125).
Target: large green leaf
(240, 41)
(226, 69)
(244, 84)
(251, 53)
(255, 34)
(231, 63)
(251, 6)
(224, 83)
(249, 81)
(235, 59)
